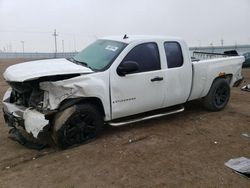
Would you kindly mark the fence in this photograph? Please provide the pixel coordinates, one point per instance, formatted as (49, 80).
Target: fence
(15, 55)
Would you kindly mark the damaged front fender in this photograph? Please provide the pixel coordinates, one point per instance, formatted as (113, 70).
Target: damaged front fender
(85, 86)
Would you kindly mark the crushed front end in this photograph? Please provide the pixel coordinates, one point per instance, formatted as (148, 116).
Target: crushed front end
(32, 100)
(23, 112)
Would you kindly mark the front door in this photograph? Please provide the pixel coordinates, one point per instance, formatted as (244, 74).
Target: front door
(142, 90)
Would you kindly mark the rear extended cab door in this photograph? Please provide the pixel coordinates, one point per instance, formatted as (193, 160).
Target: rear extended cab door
(140, 91)
(177, 71)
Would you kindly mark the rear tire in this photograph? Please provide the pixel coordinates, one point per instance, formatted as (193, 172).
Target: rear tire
(77, 125)
(218, 95)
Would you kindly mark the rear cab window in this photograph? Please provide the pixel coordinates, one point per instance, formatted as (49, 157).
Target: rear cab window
(174, 54)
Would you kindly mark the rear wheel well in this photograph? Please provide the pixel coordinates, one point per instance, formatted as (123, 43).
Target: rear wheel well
(90, 100)
(227, 77)
(218, 95)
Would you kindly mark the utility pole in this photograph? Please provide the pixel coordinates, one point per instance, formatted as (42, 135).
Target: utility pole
(212, 46)
(55, 35)
(22, 46)
(199, 43)
(63, 46)
(236, 44)
(222, 42)
(10, 47)
(75, 43)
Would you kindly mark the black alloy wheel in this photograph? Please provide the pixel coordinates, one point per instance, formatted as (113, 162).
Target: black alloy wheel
(82, 125)
(218, 95)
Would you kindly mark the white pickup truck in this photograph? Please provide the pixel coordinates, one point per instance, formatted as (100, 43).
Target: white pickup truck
(115, 81)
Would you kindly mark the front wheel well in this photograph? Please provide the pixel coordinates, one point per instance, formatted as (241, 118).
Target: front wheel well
(90, 100)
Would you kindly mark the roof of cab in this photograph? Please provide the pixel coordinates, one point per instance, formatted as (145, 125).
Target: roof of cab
(134, 38)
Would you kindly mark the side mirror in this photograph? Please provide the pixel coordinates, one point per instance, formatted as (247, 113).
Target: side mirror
(127, 67)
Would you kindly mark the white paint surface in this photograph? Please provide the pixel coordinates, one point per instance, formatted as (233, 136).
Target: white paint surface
(36, 69)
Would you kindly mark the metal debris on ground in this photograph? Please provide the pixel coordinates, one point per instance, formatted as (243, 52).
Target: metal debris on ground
(136, 140)
(246, 88)
(240, 165)
(246, 136)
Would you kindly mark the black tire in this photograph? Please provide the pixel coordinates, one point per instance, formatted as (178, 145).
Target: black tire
(218, 95)
(77, 125)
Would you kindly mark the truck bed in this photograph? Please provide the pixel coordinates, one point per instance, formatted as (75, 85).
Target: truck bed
(205, 71)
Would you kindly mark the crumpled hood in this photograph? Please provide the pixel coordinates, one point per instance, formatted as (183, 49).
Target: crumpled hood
(35, 69)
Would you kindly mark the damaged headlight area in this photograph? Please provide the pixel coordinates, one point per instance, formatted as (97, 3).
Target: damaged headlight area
(30, 94)
(27, 95)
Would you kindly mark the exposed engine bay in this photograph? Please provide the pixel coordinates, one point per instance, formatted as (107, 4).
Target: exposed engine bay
(29, 94)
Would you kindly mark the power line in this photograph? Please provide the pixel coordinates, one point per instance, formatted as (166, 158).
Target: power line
(47, 32)
(24, 31)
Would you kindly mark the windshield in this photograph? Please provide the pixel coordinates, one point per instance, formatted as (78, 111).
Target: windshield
(99, 54)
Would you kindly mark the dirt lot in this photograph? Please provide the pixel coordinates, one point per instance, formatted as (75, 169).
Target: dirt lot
(184, 150)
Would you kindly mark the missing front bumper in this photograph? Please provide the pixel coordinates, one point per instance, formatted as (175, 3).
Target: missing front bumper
(30, 119)
(17, 135)
(24, 129)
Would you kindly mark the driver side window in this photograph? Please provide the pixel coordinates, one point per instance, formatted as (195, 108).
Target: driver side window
(146, 55)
